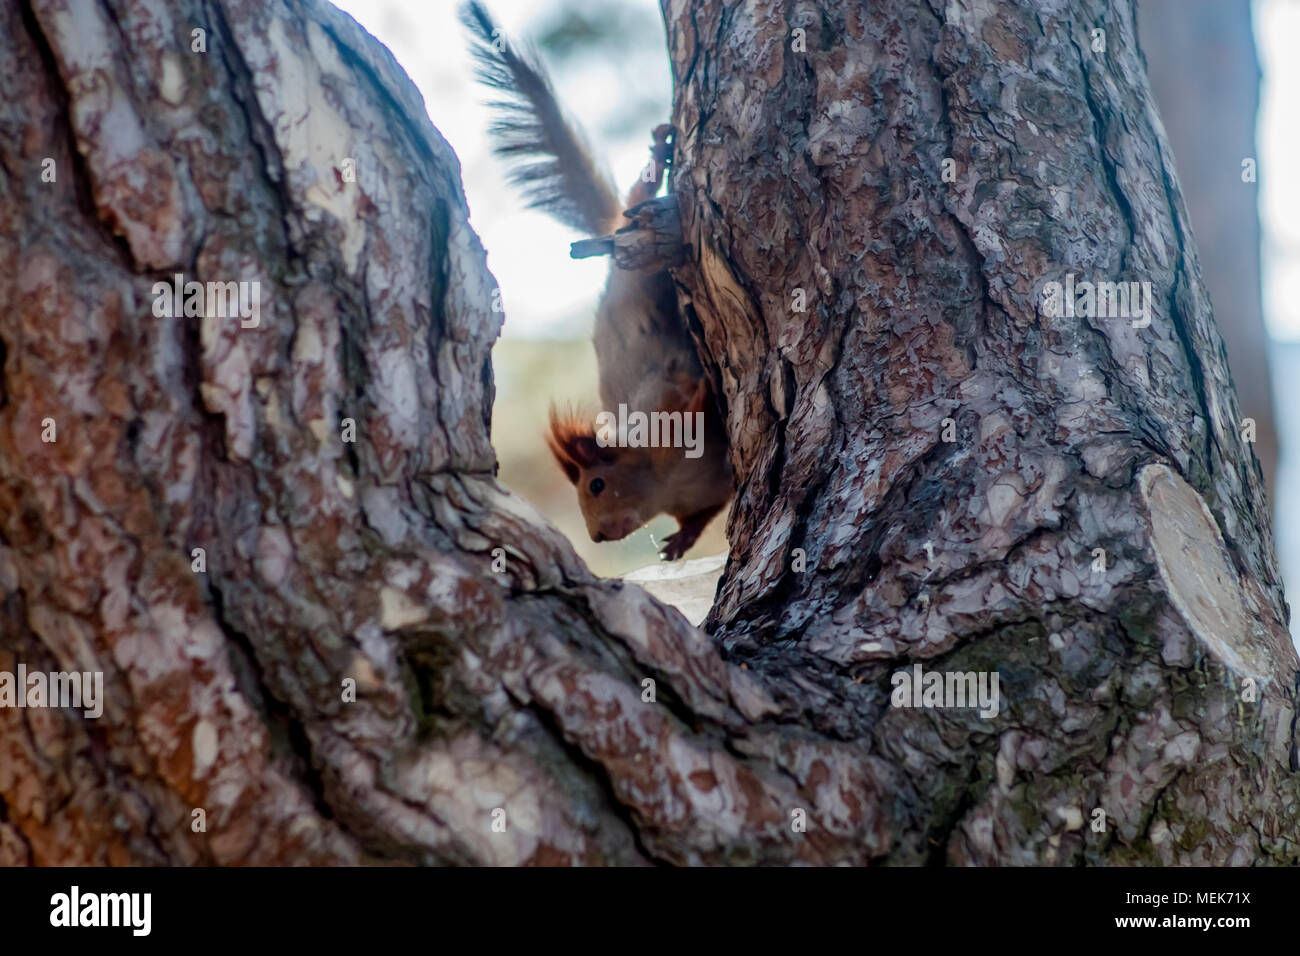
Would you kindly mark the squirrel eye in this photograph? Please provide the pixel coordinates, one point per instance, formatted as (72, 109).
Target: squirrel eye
(597, 485)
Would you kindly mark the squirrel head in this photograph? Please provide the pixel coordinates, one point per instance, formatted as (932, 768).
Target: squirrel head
(616, 486)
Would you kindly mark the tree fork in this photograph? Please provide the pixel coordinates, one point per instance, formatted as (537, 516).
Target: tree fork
(502, 712)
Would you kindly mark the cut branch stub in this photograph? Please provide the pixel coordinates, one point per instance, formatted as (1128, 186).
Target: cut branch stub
(650, 242)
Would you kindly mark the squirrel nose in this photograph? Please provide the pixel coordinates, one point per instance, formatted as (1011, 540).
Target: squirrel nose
(597, 536)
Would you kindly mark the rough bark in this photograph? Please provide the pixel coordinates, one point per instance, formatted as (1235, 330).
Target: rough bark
(517, 686)
(1200, 57)
(820, 175)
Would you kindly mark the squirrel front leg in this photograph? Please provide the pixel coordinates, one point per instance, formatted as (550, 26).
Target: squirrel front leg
(692, 525)
(712, 486)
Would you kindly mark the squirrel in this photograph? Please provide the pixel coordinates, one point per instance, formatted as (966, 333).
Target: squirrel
(645, 354)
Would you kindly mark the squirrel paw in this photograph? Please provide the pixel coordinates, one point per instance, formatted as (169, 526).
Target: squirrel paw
(678, 543)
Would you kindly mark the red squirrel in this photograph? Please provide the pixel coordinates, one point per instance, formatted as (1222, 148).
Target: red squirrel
(645, 354)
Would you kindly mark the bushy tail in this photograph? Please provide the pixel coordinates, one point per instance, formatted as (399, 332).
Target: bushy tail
(549, 160)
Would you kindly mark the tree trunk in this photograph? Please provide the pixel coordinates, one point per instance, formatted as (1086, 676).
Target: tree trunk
(1200, 56)
(816, 180)
(501, 712)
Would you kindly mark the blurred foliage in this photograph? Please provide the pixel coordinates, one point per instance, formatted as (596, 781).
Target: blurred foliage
(615, 29)
(626, 34)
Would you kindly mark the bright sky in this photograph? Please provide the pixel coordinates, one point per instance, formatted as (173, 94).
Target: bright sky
(1277, 29)
(546, 293)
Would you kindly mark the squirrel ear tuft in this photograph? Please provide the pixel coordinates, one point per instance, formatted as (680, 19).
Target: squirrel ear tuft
(572, 441)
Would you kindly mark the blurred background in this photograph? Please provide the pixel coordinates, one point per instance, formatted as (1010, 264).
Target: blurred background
(1226, 79)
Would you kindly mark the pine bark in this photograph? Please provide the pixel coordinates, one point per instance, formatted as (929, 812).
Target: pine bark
(501, 713)
(1200, 57)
